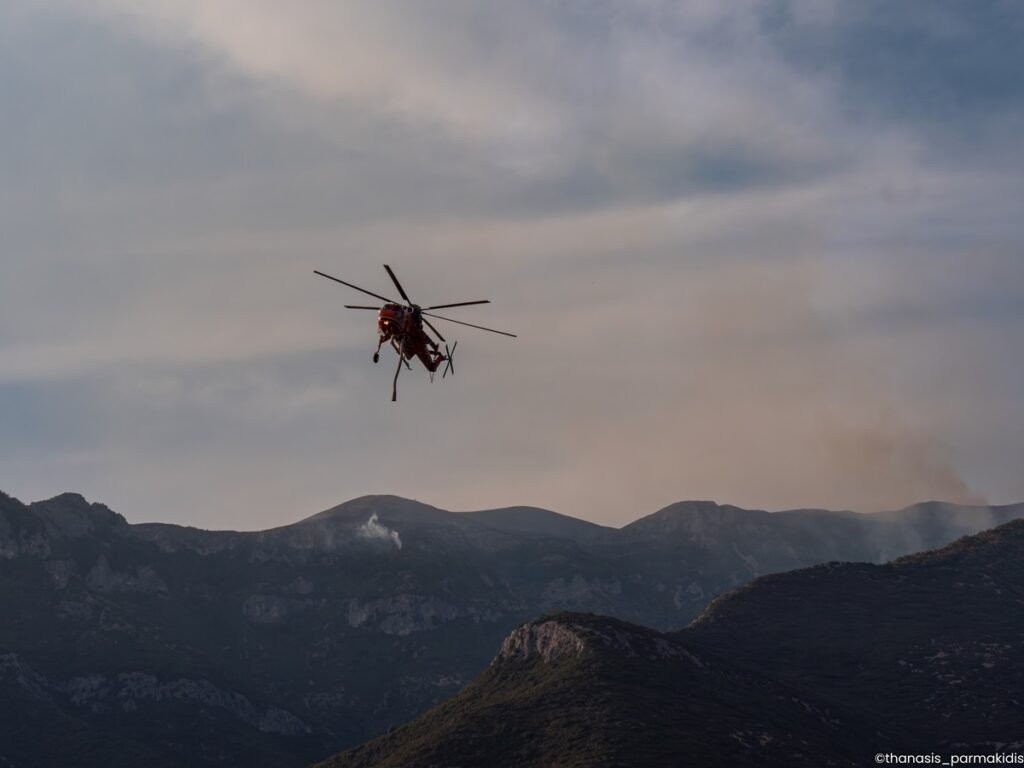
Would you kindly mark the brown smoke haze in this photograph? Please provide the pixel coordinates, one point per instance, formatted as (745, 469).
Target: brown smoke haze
(735, 389)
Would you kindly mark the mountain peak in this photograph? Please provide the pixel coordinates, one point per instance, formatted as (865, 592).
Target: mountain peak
(72, 515)
(699, 520)
(548, 639)
(976, 557)
(71, 498)
(565, 635)
(385, 506)
(692, 507)
(585, 690)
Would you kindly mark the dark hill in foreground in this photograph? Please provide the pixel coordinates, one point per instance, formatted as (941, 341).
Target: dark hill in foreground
(824, 666)
(576, 690)
(931, 643)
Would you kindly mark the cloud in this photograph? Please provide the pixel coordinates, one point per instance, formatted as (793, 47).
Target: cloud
(360, 52)
(747, 260)
(641, 100)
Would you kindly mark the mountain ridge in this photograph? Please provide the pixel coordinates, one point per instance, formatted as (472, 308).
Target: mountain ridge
(930, 638)
(349, 621)
(581, 690)
(400, 506)
(826, 665)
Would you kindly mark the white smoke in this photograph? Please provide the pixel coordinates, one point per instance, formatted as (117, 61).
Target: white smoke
(372, 529)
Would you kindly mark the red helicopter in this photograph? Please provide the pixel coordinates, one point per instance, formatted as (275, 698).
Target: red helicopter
(402, 325)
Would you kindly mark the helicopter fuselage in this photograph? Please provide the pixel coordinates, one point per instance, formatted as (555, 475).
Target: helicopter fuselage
(403, 327)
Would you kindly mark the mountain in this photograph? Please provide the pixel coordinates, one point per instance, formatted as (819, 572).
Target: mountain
(930, 643)
(774, 541)
(828, 665)
(578, 690)
(542, 522)
(279, 647)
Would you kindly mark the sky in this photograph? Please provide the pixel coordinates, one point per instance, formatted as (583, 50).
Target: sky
(766, 253)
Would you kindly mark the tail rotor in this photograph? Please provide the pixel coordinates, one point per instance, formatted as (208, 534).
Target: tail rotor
(449, 354)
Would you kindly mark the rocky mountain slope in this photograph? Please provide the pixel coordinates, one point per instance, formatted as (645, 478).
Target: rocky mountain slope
(281, 646)
(930, 643)
(828, 665)
(577, 690)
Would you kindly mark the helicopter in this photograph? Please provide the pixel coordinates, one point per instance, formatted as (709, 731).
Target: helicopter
(402, 325)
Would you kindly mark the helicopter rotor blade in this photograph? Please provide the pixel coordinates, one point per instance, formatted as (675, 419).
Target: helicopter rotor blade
(450, 359)
(398, 285)
(431, 327)
(362, 290)
(478, 327)
(459, 304)
(357, 306)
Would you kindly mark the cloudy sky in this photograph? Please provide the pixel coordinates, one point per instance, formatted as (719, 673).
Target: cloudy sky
(767, 253)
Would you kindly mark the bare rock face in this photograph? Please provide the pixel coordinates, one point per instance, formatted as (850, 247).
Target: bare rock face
(579, 593)
(566, 635)
(21, 537)
(548, 640)
(402, 614)
(128, 691)
(103, 578)
(25, 544)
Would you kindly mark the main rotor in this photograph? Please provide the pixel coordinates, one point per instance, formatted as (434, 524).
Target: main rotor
(419, 311)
